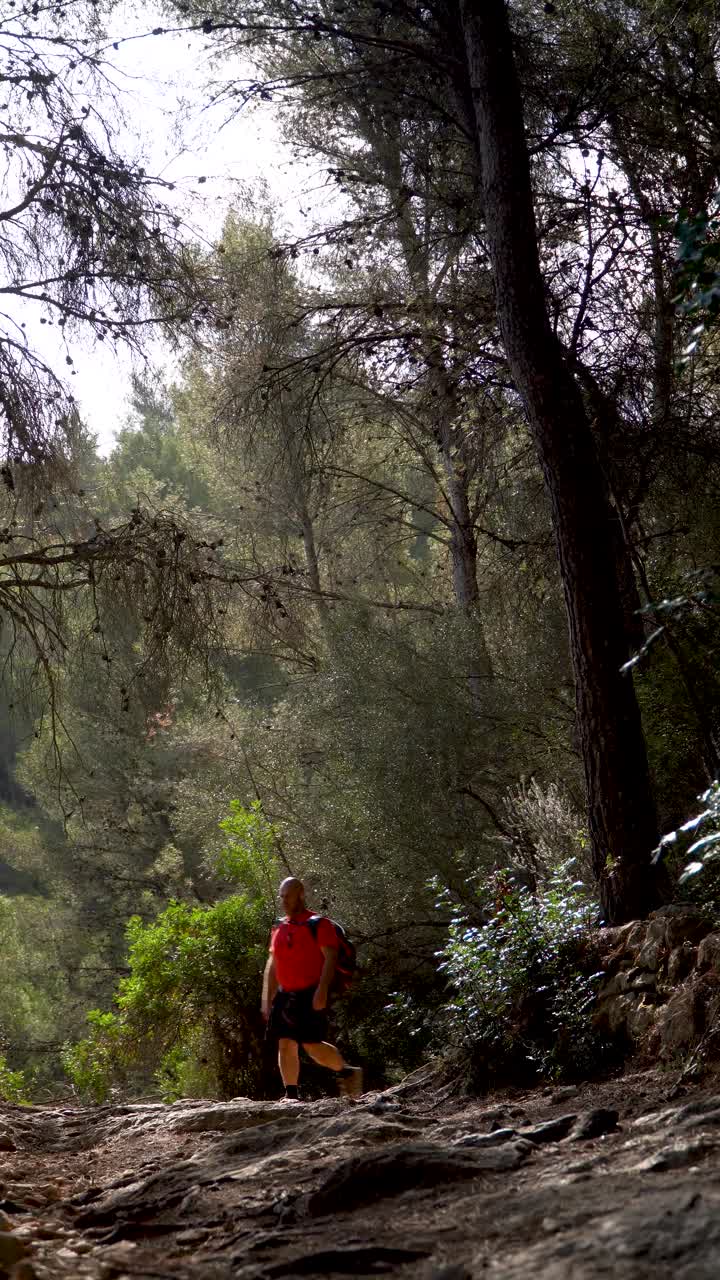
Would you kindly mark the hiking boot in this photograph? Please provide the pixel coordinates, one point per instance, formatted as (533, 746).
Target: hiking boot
(351, 1084)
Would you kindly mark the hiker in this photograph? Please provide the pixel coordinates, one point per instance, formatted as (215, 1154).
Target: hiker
(296, 985)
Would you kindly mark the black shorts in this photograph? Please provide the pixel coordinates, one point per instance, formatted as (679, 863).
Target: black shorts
(292, 1017)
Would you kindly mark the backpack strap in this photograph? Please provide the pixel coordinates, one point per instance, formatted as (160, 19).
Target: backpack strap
(313, 924)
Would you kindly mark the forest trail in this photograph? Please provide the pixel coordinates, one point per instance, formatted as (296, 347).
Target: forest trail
(616, 1179)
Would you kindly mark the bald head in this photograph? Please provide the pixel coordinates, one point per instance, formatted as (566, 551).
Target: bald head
(292, 895)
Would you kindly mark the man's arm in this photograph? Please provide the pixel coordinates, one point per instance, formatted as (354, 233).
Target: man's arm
(320, 998)
(270, 986)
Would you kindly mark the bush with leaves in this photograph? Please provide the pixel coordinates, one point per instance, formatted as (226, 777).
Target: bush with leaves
(187, 1016)
(94, 1064)
(13, 1085)
(698, 268)
(698, 878)
(544, 828)
(249, 857)
(522, 973)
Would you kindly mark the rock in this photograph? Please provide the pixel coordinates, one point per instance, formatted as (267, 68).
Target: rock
(447, 1271)
(364, 1179)
(358, 1260)
(639, 1019)
(379, 1107)
(656, 931)
(550, 1131)
(680, 1022)
(682, 960)
(5, 1222)
(676, 1157)
(23, 1271)
(6, 1141)
(650, 955)
(663, 1235)
(25, 1191)
(614, 1013)
(593, 1124)
(494, 1139)
(118, 1252)
(228, 1117)
(563, 1093)
(51, 1191)
(496, 1117)
(710, 1120)
(630, 937)
(49, 1231)
(640, 980)
(192, 1236)
(11, 1250)
(685, 924)
(695, 1112)
(708, 953)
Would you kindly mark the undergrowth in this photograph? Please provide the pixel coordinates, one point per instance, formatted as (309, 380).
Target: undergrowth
(523, 974)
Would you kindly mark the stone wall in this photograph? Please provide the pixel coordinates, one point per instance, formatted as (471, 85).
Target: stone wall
(661, 991)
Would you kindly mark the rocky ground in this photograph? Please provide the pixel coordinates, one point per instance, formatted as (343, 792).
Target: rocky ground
(620, 1179)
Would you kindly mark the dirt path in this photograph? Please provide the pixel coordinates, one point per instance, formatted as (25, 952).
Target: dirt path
(615, 1180)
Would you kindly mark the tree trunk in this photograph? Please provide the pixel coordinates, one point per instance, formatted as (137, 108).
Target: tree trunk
(311, 558)
(620, 805)
(385, 147)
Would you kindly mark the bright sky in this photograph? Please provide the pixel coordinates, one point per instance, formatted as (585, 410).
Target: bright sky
(162, 81)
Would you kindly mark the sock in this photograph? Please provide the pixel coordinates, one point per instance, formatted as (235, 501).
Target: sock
(291, 1091)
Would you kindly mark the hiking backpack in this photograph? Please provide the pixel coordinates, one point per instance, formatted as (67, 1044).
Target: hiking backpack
(346, 966)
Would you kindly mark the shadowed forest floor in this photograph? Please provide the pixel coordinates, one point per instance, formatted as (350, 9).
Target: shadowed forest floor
(616, 1179)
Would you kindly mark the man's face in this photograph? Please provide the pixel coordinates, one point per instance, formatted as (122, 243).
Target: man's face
(292, 897)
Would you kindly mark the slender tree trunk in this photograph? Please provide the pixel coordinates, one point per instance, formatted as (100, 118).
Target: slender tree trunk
(463, 540)
(621, 810)
(311, 557)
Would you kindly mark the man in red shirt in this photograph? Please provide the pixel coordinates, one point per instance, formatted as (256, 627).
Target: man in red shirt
(296, 984)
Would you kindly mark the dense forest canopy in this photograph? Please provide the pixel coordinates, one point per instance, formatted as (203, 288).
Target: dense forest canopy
(402, 579)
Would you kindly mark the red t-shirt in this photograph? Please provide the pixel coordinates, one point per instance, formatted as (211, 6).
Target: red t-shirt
(297, 955)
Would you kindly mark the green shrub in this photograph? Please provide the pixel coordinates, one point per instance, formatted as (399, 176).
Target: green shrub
(523, 981)
(248, 859)
(93, 1064)
(187, 1020)
(13, 1085)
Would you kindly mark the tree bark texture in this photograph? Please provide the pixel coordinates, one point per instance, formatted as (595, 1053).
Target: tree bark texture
(620, 804)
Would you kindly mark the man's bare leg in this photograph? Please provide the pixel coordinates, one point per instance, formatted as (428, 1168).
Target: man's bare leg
(326, 1055)
(289, 1064)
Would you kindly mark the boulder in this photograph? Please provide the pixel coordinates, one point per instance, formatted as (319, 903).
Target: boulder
(594, 1124)
(683, 959)
(680, 1022)
(708, 952)
(640, 1019)
(550, 1131)
(686, 924)
(651, 954)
